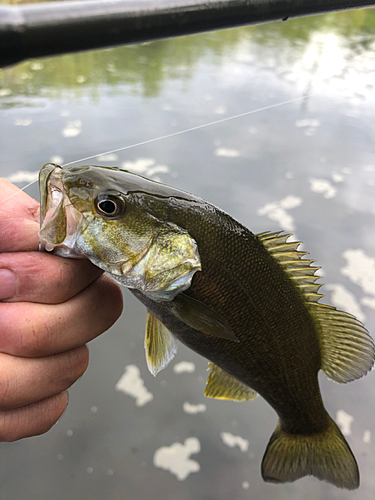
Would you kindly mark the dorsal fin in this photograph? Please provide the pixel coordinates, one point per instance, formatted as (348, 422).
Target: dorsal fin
(346, 346)
(160, 344)
(347, 350)
(299, 270)
(221, 385)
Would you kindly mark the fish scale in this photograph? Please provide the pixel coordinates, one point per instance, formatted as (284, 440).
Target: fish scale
(257, 312)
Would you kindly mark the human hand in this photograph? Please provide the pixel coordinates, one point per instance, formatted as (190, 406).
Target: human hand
(49, 308)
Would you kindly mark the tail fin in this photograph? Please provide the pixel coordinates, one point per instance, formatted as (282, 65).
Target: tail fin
(326, 456)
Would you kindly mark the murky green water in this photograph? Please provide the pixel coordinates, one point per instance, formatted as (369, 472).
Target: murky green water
(307, 167)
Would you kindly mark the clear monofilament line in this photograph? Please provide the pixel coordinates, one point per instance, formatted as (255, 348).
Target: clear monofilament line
(197, 127)
(17, 192)
(174, 134)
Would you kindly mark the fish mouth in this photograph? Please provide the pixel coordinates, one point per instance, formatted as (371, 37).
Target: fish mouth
(60, 222)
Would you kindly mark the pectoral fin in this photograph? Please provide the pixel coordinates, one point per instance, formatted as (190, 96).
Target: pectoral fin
(221, 385)
(160, 345)
(200, 317)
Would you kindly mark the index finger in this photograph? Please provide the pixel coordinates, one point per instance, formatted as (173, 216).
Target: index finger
(19, 219)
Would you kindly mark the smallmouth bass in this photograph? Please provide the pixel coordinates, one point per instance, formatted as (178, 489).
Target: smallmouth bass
(248, 303)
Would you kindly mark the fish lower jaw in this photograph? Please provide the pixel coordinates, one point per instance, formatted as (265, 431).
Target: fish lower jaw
(60, 249)
(48, 247)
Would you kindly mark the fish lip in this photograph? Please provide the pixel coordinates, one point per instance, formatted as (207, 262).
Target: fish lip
(44, 178)
(53, 200)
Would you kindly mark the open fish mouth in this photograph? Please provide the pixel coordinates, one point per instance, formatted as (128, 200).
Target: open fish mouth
(60, 222)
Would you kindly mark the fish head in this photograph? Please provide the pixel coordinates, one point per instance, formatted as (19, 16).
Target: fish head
(109, 216)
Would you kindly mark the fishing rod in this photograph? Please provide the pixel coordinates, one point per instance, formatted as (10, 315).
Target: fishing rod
(46, 29)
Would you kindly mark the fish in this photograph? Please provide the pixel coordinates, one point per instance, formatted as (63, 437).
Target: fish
(247, 303)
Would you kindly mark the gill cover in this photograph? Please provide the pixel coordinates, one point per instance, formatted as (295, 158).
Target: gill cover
(166, 265)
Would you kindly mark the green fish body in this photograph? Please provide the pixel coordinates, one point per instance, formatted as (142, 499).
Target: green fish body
(248, 303)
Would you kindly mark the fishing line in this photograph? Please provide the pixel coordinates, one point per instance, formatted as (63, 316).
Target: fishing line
(174, 134)
(17, 192)
(197, 127)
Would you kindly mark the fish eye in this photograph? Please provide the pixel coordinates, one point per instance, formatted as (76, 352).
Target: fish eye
(109, 205)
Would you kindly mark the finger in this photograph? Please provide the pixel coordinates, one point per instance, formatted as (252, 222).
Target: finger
(32, 420)
(42, 277)
(29, 329)
(19, 219)
(24, 381)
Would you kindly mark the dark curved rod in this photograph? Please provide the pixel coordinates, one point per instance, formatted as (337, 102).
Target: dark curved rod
(46, 29)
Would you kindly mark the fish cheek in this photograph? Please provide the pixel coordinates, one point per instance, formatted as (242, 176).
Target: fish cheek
(114, 245)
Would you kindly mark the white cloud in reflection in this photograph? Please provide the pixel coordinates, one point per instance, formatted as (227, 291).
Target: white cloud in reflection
(108, 157)
(194, 409)
(310, 125)
(176, 458)
(368, 302)
(59, 160)
(308, 122)
(23, 176)
(228, 153)
(277, 211)
(367, 437)
(72, 129)
(360, 269)
(345, 300)
(145, 166)
(323, 186)
(344, 421)
(132, 384)
(220, 110)
(184, 367)
(233, 441)
(336, 177)
(23, 122)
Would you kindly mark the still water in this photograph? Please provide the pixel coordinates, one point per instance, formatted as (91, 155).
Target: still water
(307, 167)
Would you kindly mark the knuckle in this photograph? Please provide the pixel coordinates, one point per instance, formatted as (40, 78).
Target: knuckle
(110, 292)
(37, 336)
(31, 420)
(72, 365)
(64, 280)
(10, 426)
(5, 385)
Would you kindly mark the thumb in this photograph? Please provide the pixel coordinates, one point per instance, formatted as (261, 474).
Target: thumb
(19, 219)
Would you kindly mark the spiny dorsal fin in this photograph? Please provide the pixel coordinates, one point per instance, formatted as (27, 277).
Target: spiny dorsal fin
(299, 270)
(221, 385)
(160, 345)
(347, 349)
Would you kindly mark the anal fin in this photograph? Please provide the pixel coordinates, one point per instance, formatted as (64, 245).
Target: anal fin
(160, 345)
(221, 385)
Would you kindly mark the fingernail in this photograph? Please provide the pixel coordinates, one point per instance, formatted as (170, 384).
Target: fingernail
(7, 284)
